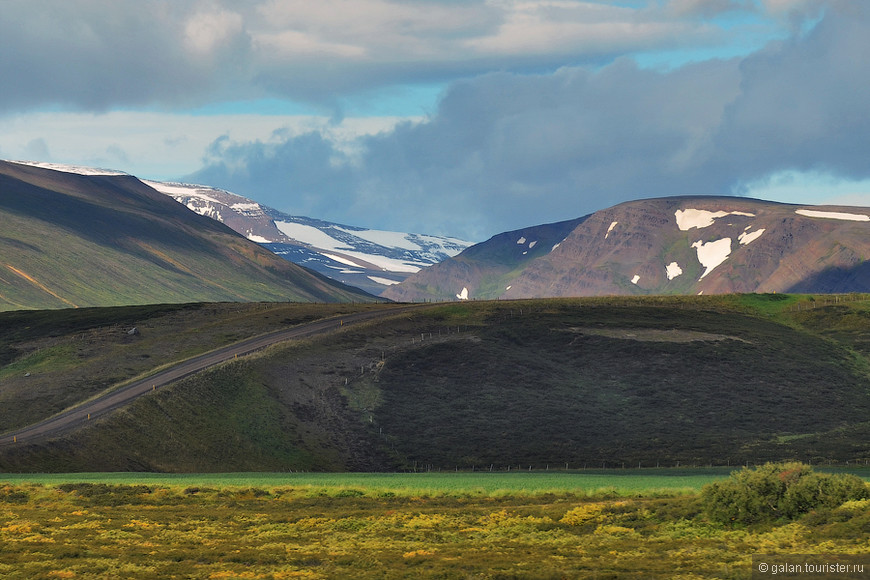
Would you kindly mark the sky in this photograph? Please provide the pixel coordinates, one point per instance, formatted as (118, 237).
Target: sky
(455, 117)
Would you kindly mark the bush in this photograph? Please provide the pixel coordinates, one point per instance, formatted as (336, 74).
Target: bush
(778, 491)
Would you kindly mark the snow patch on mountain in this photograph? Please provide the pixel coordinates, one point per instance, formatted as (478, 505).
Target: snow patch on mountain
(833, 215)
(673, 270)
(747, 237)
(383, 281)
(78, 169)
(319, 239)
(712, 254)
(370, 259)
(702, 218)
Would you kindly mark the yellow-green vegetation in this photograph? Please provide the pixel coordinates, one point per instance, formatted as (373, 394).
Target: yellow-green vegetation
(292, 529)
(589, 482)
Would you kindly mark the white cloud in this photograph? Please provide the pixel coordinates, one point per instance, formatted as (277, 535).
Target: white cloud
(206, 31)
(97, 56)
(706, 8)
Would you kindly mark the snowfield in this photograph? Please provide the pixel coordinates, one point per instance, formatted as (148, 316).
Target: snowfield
(78, 169)
(701, 218)
(382, 281)
(747, 238)
(673, 269)
(316, 238)
(833, 215)
(182, 190)
(712, 254)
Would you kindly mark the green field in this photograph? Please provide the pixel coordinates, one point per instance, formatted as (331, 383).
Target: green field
(626, 482)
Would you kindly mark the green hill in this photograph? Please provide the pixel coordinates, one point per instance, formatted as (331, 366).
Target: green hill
(69, 240)
(541, 383)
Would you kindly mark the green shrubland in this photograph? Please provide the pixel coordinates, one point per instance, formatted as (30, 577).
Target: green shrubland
(779, 492)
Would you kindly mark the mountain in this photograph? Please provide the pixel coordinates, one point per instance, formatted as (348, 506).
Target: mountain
(677, 245)
(73, 237)
(368, 259)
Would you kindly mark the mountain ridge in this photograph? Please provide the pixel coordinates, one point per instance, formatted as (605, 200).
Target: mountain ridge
(71, 240)
(368, 259)
(671, 245)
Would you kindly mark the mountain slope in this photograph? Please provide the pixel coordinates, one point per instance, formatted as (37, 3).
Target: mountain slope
(368, 259)
(635, 380)
(69, 240)
(679, 245)
(485, 269)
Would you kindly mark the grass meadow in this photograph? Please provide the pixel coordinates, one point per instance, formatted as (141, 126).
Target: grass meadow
(595, 524)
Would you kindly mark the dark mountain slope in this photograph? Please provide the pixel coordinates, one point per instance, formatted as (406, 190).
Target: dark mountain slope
(74, 240)
(694, 380)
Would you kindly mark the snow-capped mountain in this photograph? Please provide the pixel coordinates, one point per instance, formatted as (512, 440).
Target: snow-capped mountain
(77, 169)
(369, 259)
(677, 245)
(77, 237)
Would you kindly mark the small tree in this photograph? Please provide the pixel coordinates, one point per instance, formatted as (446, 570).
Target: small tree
(778, 491)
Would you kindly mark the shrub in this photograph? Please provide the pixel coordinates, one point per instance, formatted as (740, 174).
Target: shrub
(778, 491)
(104, 494)
(11, 494)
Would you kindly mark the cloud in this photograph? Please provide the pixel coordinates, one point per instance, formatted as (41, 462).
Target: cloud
(706, 8)
(36, 149)
(94, 56)
(98, 56)
(804, 104)
(507, 150)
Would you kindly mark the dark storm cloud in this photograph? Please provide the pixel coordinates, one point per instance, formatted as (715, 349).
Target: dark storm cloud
(307, 165)
(509, 150)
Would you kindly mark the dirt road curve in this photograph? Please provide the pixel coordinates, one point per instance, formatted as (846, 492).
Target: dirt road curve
(75, 417)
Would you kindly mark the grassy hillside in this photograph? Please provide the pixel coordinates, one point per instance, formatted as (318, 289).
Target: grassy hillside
(588, 382)
(52, 359)
(74, 241)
